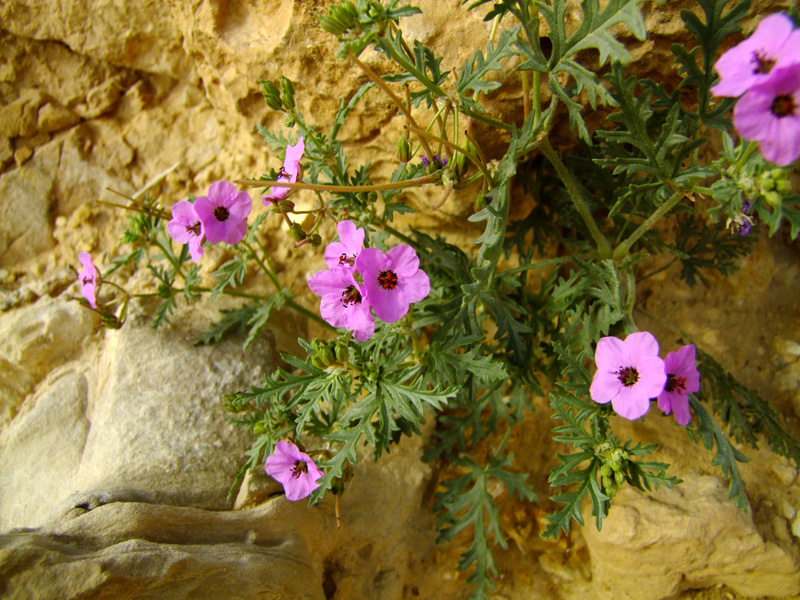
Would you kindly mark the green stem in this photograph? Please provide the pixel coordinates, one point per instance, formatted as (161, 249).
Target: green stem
(340, 188)
(622, 250)
(603, 247)
(406, 110)
(539, 264)
(398, 235)
(749, 149)
(478, 163)
(657, 271)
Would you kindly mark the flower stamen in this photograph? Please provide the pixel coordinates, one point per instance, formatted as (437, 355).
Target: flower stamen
(300, 467)
(221, 214)
(675, 384)
(784, 106)
(387, 280)
(762, 64)
(350, 295)
(628, 376)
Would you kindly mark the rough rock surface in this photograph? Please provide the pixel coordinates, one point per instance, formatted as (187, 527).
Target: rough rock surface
(113, 445)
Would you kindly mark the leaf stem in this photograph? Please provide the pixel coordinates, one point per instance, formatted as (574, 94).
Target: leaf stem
(406, 110)
(301, 185)
(621, 251)
(455, 148)
(603, 247)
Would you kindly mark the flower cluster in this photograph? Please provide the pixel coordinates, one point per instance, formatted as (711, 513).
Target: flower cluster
(387, 283)
(294, 469)
(766, 69)
(221, 216)
(630, 373)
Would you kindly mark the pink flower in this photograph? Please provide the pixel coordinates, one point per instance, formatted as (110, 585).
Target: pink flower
(343, 301)
(628, 373)
(392, 280)
(89, 279)
(223, 213)
(186, 228)
(682, 379)
(294, 469)
(774, 45)
(769, 113)
(289, 172)
(344, 252)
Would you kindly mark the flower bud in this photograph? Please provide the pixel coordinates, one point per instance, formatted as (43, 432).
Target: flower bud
(403, 150)
(286, 205)
(784, 186)
(342, 353)
(289, 121)
(773, 199)
(315, 239)
(619, 477)
(287, 93)
(297, 232)
(271, 95)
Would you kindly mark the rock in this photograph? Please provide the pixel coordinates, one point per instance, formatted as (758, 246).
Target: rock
(707, 540)
(36, 566)
(19, 117)
(35, 340)
(151, 419)
(25, 211)
(139, 35)
(54, 117)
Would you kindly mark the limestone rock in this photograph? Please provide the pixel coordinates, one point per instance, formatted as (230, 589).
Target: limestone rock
(54, 117)
(35, 340)
(35, 566)
(149, 417)
(708, 540)
(141, 35)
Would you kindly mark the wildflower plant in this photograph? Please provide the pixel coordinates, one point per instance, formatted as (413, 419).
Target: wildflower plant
(424, 329)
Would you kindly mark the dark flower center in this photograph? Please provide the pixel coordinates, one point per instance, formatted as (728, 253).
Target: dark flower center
(762, 64)
(628, 376)
(194, 228)
(388, 280)
(351, 296)
(221, 214)
(675, 384)
(86, 280)
(784, 106)
(350, 261)
(299, 468)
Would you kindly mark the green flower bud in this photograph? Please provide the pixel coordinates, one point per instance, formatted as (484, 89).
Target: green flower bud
(289, 121)
(315, 239)
(341, 353)
(318, 363)
(619, 477)
(459, 162)
(605, 471)
(286, 205)
(287, 93)
(773, 199)
(767, 184)
(271, 95)
(403, 150)
(297, 232)
(326, 355)
(784, 186)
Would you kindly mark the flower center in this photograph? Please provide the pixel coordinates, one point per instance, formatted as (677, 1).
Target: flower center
(300, 467)
(351, 296)
(387, 280)
(195, 227)
(86, 280)
(628, 376)
(762, 64)
(675, 384)
(350, 261)
(784, 106)
(221, 214)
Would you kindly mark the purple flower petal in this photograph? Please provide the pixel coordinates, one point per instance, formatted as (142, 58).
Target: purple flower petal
(345, 251)
(629, 373)
(773, 45)
(223, 213)
(295, 470)
(404, 260)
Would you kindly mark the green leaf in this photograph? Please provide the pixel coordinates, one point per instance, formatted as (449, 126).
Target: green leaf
(232, 321)
(472, 78)
(259, 318)
(230, 274)
(726, 457)
(468, 504)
